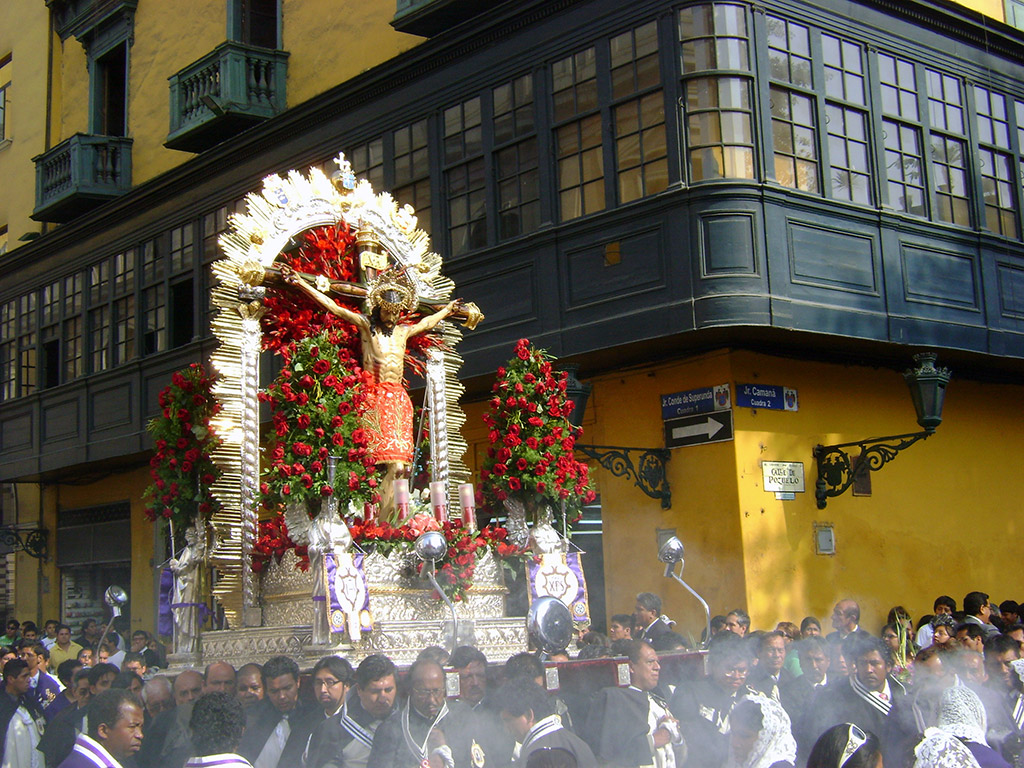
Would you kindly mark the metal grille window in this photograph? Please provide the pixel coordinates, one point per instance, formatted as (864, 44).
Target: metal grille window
(948, 151)
(515, 158)
(641, 154)
(794, 124)
(904, 156)
(998, 186)
(412, 170)
(719, 113)
(465, 182)
(578, 145)
(846, 120)
(368, 162)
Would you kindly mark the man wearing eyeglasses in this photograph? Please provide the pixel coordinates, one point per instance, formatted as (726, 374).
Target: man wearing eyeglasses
(703, 707)
(871, 699)
(279, 726)
(429, 731)
(344, 740)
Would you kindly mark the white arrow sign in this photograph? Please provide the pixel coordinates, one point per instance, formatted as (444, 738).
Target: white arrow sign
(708, 428)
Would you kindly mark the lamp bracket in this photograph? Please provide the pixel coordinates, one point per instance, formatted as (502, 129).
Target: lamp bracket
(644, 466)
(836, 472)
(31, 541)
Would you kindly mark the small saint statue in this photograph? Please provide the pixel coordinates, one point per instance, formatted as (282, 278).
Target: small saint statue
(186, 604)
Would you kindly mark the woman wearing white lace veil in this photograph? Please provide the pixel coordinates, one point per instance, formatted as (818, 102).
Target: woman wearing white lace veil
(962, 715)
(760, 735)
(941, 749)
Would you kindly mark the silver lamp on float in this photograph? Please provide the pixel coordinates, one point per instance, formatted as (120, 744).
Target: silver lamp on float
(671, 554)
(431, 547)
(116, 598)
(549, 624)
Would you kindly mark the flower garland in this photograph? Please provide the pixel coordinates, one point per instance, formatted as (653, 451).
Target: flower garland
(530, 455)
(182, 468)
(317, 402)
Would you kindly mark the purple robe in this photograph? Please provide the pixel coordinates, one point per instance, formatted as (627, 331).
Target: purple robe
(88, 754)
(46, 690)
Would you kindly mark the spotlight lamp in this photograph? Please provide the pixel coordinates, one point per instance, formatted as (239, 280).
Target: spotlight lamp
(837, 470)
(671, 554)
(431, 547)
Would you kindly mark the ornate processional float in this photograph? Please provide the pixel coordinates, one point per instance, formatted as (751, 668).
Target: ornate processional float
(340, 283)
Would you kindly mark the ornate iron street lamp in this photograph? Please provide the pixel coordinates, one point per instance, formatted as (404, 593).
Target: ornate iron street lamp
(837, 471)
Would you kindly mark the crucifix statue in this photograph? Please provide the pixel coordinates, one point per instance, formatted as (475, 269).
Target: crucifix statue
(385, 332)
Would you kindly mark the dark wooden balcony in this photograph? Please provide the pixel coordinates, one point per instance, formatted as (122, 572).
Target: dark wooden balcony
(81, 173)
(225, 92)
(431, 17)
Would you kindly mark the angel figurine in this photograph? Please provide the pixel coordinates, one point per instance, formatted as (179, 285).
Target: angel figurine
(326, 532)
(188, 569)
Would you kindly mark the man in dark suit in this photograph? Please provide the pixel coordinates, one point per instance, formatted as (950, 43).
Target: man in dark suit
(633, 726)
(528, 713)
(648, 615)
(870, 699)
(769, 676)
(429, 729)
(798, 693)
(279, 726)
(344, 740)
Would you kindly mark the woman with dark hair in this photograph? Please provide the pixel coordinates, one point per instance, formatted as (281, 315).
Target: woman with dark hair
(846, 746)
(810, 626)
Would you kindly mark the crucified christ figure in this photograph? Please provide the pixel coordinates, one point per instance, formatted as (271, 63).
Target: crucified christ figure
(384, 336)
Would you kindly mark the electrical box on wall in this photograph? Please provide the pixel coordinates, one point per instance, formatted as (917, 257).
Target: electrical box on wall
(824, 539)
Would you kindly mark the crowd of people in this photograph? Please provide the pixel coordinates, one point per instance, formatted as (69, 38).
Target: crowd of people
(947, 691)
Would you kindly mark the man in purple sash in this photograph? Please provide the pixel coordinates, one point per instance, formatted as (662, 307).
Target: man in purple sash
(115, 732)
(217, 724)
(45, 687)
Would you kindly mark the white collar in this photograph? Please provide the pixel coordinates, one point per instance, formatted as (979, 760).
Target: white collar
(95, 752)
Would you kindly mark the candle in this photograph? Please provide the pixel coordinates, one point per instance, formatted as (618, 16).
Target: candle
(438, 502)
(467, 499)
(402, 498)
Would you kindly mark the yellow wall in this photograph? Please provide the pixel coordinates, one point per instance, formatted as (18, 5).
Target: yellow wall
(23, 35)
(37, 585)
(993, 8)
(941, 518)
(332, 42)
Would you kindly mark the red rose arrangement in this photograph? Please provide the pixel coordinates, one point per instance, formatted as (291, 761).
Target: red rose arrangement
(530, 455)
(272, 541)
(317, 402)
(182, 467)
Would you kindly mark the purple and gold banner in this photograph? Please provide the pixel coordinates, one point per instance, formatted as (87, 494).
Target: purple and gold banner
(348, 595)
(165, 617)
(560, 575)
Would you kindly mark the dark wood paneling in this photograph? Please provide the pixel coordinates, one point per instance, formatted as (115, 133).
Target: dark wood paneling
(111, 405)
(822, 257)
(16, 434)
(727, 244)
(939, 278)
(1011, 290)
(615, 269)
(60, 420)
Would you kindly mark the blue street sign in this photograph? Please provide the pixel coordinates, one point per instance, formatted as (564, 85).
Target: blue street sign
(703, 400)
(768, 396)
